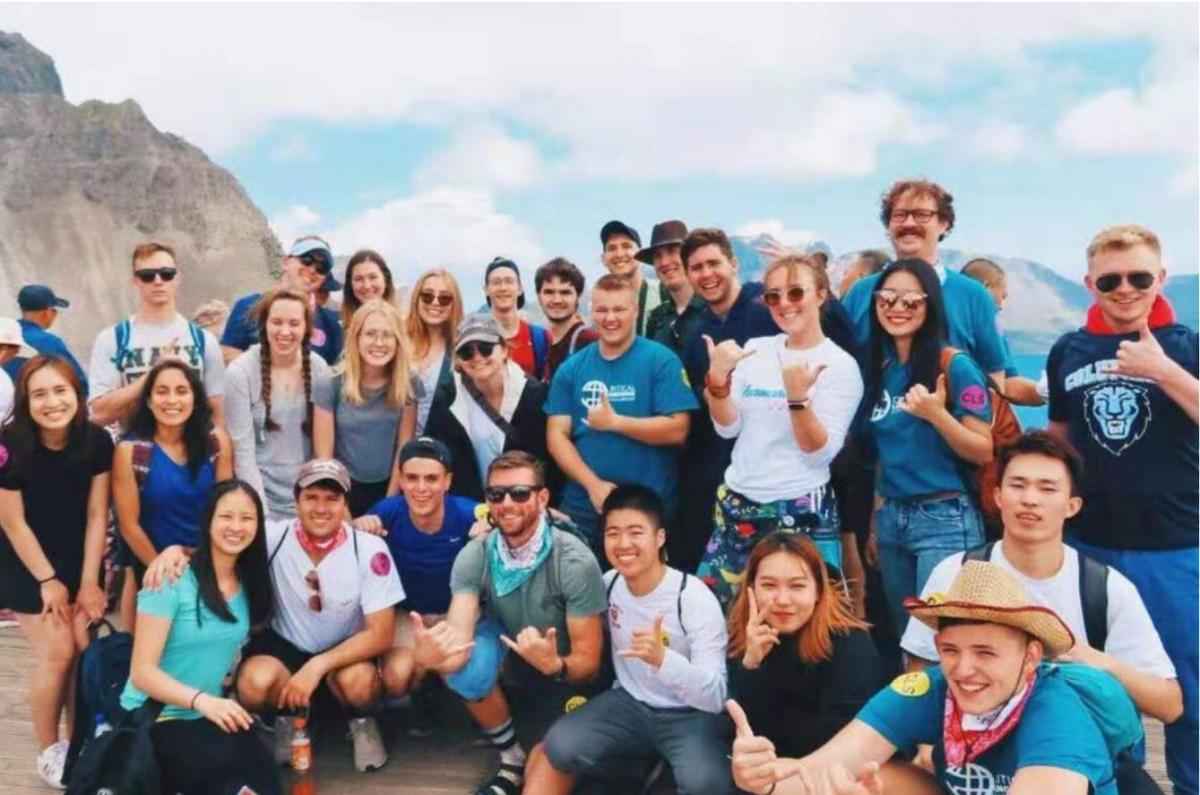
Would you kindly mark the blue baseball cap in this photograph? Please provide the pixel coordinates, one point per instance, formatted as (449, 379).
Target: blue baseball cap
(34, 297)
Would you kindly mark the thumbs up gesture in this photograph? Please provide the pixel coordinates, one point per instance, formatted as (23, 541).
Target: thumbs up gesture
(540, 651)
(648, 645)
(1143, 358)
(920, 402)
(602, 416)
(756, 768)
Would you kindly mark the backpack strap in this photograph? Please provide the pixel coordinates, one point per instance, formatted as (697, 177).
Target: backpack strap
(197, 340)
(573, 345)
(539, 338)
(275, 551)
(121, 332)
(679, 603)
(1093, 593)
(611, 585)
(141, 451)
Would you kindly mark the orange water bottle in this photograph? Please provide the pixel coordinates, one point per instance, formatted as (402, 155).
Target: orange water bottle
(301, 745)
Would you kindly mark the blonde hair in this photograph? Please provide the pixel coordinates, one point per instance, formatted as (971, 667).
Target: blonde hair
(418, 332)
(399, 379)
(1123, 238)
(793, 264)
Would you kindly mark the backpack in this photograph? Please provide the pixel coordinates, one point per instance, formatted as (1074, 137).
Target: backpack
(541, 348)
(1093, 592)
(124, 330)
(121, 761)
(981, 481)
(572, 346)
(143, 451)
(1106, 701)
(678, 601)
(100, 677)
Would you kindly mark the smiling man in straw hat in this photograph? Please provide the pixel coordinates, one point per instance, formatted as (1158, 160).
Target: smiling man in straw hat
(1000, 721)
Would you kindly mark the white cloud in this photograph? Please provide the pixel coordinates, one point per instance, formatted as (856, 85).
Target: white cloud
(1002, 141)
(293, 221)
(294, 148)
(1185, 181)
(483, 155)
(792, 238)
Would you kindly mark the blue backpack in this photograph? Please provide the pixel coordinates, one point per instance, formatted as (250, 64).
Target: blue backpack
(123, 331)
(1106, 701)
(99, 679)
(541, 347)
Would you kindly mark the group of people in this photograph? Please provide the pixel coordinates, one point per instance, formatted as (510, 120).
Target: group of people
(711, 496)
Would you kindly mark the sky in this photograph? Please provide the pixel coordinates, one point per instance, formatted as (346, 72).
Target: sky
(452, 133)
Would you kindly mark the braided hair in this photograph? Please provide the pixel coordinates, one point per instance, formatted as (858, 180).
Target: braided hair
(262, 312)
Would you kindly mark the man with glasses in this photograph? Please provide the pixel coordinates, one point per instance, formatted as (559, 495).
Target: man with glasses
(674, 320)
(1124, 392)
(528, 344)
(123, 354)
(530, 587)
(307, 268)
(559, 286)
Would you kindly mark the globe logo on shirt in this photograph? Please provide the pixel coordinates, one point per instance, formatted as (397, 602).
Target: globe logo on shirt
(592, 392)
(1118, 414)
(882, 408)
(973, 780)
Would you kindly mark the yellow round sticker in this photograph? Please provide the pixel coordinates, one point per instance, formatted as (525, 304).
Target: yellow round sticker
(574, 703)
(666, 638)
(913, 685)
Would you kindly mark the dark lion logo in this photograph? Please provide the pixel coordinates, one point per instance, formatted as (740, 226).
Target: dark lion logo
(1117, 414)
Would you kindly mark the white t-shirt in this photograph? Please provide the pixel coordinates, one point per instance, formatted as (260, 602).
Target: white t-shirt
(352, 585)
(693, 670)
(147, 343)
(767, 464)
(7, 395)
(1132, 638)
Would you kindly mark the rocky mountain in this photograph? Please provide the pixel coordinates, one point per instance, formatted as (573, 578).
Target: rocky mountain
(81, 185)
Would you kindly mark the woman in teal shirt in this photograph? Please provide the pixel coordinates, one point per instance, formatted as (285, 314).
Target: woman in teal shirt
(188, 634)
(928, 428)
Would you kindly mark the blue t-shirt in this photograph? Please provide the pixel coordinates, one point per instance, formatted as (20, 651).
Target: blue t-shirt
(970, 314)
(646, 381)
(241, 331)
(1055, 730)
(198, 653)
(46, 343)
(424, 560)
(1138, 446)
(902, 438)
(172, 503)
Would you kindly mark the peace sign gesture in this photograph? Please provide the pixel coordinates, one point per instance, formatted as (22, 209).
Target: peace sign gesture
(760, 636)
(648, 645)
(723, 357)
(798, 377)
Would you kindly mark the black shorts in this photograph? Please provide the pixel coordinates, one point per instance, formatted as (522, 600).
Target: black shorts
(270, 643)
(21, 593)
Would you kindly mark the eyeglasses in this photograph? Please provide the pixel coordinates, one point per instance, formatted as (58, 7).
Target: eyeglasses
(1138, 280)
(908, 301)
(468, 352)
(519, 494)
(315, 261)
(146, 275)
(920, 216)
(795, 295)
(314, 600)
(443, 299)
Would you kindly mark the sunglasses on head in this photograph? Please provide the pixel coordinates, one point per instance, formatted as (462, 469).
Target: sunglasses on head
(315, 261)
(519, 494)
(1138, 280)
(443, 299)
(471, 349)
(908, 301)
(795, 294)
(146, 275)
(314, 600)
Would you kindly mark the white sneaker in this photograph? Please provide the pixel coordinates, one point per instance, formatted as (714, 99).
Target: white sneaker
(50, 763)
(283, 739)
(7, 619)
(369, 753)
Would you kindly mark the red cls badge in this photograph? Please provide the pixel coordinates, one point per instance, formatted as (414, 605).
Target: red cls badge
(381, 564)
(973, 398)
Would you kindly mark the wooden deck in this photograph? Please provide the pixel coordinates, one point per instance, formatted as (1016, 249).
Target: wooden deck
(451, 761)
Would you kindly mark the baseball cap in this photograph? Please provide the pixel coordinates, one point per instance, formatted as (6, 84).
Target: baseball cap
(426, 447)
(819, 247)
(478, 328)
(38, 296)
(501, 262)
(10, 332)
(319, 469)
(619, 228)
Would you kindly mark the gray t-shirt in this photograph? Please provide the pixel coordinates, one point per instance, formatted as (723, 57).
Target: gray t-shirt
(580, 591)
(270, 460)
(365, 440)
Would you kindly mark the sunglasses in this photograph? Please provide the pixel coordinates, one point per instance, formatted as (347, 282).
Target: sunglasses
(1139, 280)
(920, 216)
(468, 352)
(442, 299)
(146, 275)
(775, 297)
(314, 600)
(519, 494)
(316, 262)
(910, 302)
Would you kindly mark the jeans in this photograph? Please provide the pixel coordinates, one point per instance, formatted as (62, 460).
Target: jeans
(914, 536)
(1167, 580)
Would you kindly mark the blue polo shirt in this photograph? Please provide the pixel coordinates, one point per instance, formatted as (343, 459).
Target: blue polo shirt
(423, 560)
(970, 314)
(46, 343)
(241, 331)
(1139, 447)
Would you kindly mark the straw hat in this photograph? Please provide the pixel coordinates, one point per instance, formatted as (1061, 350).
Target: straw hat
(986, 592)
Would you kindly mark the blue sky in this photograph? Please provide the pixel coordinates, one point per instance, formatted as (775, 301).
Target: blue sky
(448, 134)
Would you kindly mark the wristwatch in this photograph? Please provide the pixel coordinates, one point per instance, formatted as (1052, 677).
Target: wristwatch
(799, 405)
(561, 676)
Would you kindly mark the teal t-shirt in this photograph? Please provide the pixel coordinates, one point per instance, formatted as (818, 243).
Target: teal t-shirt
(902, 438)
(1056, 730)
(197, 653)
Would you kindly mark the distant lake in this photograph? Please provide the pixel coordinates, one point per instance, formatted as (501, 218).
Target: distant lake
(1031, 365)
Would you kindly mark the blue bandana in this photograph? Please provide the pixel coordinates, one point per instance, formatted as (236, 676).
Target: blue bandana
(510, 568)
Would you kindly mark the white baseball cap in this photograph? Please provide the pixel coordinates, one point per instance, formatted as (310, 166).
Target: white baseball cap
(10, 332)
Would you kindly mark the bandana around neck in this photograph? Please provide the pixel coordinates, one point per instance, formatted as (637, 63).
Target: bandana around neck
(1161, 314)
(967, 737)
(512, 567)
(319, 546)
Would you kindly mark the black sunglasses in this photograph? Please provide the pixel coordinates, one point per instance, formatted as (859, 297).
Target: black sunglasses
(443, 299)
(519, 494)
(314, 599)
(315, 261)
(468, 351)
(795, 294)
(146, 275)
(1138, 280)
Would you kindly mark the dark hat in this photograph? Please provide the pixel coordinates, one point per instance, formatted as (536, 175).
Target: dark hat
(618, 228)
(478, 328)
(320, 469)
(668, 233)
(331, 285)
(38, 296)
(426, 447)
(501, 262)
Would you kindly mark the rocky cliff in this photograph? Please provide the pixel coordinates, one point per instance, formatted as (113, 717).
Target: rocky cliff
(80, 186)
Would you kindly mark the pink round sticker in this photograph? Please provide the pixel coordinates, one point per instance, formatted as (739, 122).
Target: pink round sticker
(973, 397)
(3, 455)
(381, 564)
(318, 337)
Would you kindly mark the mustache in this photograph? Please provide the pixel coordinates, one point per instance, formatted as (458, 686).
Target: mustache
(911, 230)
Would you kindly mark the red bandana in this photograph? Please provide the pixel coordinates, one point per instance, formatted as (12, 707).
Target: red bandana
(1161, 314)
(320, 546)
(963, 745)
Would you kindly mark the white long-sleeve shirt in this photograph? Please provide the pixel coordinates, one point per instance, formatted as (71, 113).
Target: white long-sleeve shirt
(693, 670)
(767, 464)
